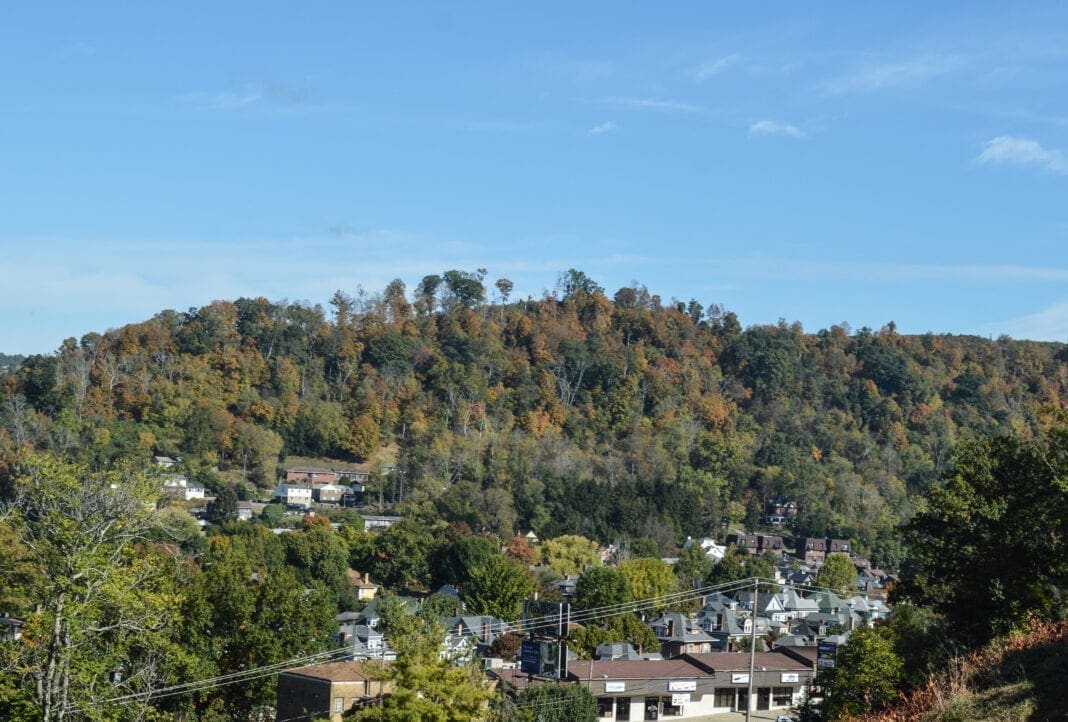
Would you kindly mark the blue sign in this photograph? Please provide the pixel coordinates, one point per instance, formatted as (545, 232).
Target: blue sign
(530, 656)
(825, 654)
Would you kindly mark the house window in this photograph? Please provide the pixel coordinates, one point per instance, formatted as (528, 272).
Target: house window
(339, 704)
(782, 696)
(623, 709)
(724, 697)
(604, 706)
(652, 708)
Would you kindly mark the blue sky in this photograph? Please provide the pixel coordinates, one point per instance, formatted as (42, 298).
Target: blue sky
(839, 162)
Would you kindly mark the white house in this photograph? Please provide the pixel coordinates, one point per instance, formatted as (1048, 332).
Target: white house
(709, 545)
(180, 487)
(293, 495)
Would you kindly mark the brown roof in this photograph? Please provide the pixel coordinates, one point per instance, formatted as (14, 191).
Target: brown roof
(334, 671)
(739, 661)
(636, 669)
(805, 655)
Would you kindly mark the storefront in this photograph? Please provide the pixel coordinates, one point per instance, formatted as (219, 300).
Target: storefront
(691, 685)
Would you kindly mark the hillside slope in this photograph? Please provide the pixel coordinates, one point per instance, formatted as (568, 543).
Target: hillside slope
(615, 418)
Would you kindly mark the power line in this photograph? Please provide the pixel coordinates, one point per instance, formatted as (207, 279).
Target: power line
(586, 615)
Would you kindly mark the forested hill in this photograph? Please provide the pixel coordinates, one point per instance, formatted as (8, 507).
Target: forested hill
(8, 361)
(614, 416)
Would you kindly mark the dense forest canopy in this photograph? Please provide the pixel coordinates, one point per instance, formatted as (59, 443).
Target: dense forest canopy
(615, 417)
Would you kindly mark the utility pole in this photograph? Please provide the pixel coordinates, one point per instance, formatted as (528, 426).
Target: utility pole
(564, 620)
(752, 648)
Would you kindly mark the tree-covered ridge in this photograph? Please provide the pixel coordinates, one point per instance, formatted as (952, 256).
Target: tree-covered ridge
(10, 360)
(614, 418)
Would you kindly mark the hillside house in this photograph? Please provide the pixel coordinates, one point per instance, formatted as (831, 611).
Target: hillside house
(328, 493)
(326, 690)
(293, 495)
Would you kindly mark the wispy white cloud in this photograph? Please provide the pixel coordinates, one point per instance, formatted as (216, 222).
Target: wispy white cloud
(707, 70)
(601, 128)
(226, 100)
(1048, 324)
(1009, 150)
(671, 106)
(901, 73)
(269, 92)
(822, 270)
(770, 127)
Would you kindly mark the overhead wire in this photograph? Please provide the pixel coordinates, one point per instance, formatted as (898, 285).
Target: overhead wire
(550, 622)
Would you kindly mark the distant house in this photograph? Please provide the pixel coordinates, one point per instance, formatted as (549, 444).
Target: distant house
(814, 550)
(679, 635)
(365, 588)
(179, 487)
(10, 628)
(716, 551)
(746, 542)
(767, 605)
(373, 522)
(326, 690)
(308, 475)
(293, 495)
(328, 493)
(353, 475)
(244, 510)
(164, 462)
(622, 650)
(481, 630)
(782, 507)
(371, 616)
(838, 546)
(312, 475)
(770, 544)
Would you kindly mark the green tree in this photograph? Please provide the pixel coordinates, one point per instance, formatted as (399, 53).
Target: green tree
(272, 514)
(865, 676)
(224, 508)
(627, 628)
(428, 685)
(759, 566)
(571, 554)
(991, 548)
(602, 587)
(100, 593)
(318, 554)
(454, 562)
(257, 449)
(694, 566)
(556, 703)
(498, 587)
(649, 579)
(247, 609)
(838, 574)
(644, 547)
(401, 555)
(730, 568)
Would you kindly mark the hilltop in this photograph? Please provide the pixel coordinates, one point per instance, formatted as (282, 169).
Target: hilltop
(614, 416)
